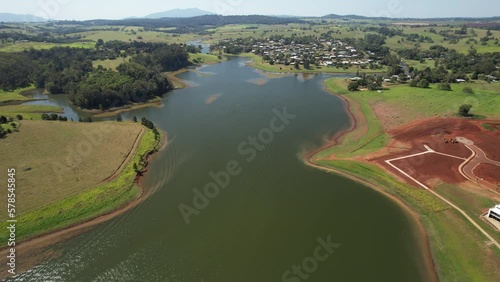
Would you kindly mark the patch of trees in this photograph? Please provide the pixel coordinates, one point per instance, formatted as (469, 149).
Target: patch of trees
(452, 65)
(385, 31)
(415, 37)
(373, 43)
(149, 124)
(54, 117)
(3, 132)
(370, 82)
(86, 119)
(6, 37)
(105, 89)
(353, 86)
(15, 70)
(64, 70)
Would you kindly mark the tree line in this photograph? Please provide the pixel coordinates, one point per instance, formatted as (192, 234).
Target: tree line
(65, 70)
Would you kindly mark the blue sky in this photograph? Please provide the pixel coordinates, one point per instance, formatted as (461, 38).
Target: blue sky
(115, 9)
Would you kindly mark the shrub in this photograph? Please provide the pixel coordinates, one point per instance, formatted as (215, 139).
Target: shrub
(464, 110)
(423, 83)
(444, 86)
(468, 90)
(353, 86)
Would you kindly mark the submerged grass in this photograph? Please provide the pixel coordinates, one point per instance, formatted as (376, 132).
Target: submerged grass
(32, 112)
(14, 96)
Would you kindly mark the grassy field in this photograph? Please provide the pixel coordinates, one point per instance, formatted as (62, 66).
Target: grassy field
(406, 103)
(126, 34)
(19, 47)
(368, 136)
(14, 96)
(83, 194)
(28, 111)
(402, 104)
(458, 249)
(204, 58)
(472, 202)
(438, 39)
(110, 64)
(74, 167)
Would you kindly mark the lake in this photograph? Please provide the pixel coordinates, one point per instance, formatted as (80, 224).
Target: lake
(268, 217)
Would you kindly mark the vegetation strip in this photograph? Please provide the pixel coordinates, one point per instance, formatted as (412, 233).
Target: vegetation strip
(106, 199)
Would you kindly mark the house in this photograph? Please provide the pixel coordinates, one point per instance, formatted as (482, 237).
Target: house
(460, 80)
(494, 213)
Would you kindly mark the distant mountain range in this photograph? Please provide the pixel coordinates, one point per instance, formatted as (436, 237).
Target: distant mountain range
(198, 14)
(11, 18)
(357, 17)
(179, 13)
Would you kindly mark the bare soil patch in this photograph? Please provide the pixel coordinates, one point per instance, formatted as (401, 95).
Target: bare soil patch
(431, 168)
(489, 172)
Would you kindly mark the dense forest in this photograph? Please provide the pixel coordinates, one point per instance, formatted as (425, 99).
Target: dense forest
(65, 70)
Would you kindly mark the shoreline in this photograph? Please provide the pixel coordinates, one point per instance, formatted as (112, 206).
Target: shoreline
(155, 102)
(334, 141)
(37, 248)
(253, 63)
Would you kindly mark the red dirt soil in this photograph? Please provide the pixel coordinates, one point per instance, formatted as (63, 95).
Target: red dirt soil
(423, 168)
(432, 132)
(488, 172)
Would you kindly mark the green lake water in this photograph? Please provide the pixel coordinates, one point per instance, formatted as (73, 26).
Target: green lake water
(272, 215)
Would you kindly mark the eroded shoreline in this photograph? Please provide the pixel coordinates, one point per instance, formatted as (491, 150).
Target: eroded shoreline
(38, 249)
(355, 117)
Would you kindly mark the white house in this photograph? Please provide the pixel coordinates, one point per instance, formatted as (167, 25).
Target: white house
(494, 212)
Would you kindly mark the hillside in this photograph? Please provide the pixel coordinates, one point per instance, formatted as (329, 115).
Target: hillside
(179, 13)
(8, 17)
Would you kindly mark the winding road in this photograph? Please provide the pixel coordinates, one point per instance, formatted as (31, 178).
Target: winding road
(466, 169)
(478, 157)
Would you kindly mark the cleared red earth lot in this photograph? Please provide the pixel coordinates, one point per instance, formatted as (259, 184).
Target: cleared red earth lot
(440, 135)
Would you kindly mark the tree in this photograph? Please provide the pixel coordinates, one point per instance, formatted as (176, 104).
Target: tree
(307, 64)
(19, 117)
(444, 86)
(3, 120)
(423, 83)
(134, 119)
(353, 86)
(3, 133)
(99, 44)
(119, 118)
(468, 90)
(464, 110)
